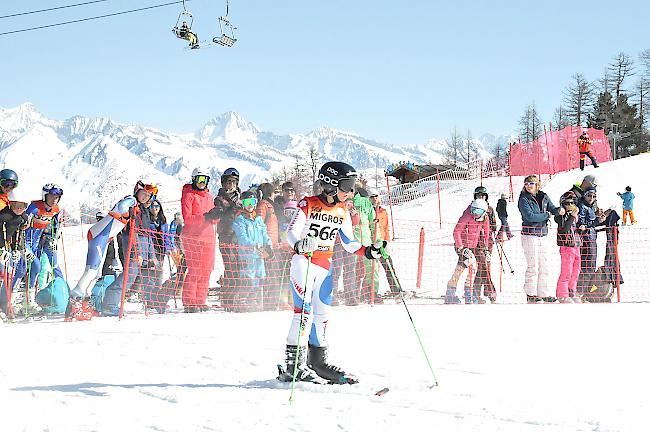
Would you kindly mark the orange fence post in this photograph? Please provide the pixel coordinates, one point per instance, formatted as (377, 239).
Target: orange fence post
(127, 259)
(439, 205)
(390, 206)
(418, 284)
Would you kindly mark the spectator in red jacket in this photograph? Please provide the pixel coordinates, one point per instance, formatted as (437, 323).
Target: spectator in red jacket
(199, 240)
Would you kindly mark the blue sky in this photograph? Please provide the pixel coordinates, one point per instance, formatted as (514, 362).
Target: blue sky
(398, 72)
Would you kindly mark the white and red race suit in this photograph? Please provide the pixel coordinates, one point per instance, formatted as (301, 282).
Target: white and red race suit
(311, 279)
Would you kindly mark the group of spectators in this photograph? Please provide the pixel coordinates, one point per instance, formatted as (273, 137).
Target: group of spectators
(578, 220)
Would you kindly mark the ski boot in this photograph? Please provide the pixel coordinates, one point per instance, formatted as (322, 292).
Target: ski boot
(303, 372)
(470, 298)
(451, 297)
(317, 361)
(79, 310)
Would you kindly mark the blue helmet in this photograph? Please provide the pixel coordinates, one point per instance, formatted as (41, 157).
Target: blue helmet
(52, 189)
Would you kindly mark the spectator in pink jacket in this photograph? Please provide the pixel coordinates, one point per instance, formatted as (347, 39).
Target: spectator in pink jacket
(467, 235)
(199, 240)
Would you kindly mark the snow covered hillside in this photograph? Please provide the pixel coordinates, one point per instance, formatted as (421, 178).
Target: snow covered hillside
(97, 160)
(439, 257)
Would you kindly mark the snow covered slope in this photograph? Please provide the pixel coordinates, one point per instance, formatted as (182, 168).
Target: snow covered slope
(513, 368)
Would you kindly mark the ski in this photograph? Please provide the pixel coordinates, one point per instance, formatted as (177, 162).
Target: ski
(382, 391)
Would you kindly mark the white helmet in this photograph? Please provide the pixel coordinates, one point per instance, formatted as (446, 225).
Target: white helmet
(18, 195)
(479, 208)
(200, 171)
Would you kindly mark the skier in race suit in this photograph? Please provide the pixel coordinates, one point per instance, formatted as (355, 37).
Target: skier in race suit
(312, 233)
(99, 235)
(42, 236)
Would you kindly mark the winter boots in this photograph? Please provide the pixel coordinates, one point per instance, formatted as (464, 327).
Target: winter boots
(450, 296)
(317, 361)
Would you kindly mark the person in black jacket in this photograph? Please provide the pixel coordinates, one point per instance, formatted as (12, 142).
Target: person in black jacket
(227, 205)
(502, 213)
(13, 222)
(568, 239)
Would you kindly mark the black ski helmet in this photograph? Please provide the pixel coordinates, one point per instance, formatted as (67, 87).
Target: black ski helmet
(568, 198)
(228, 173)
(333, 175)
(8, 174)
(480, 190)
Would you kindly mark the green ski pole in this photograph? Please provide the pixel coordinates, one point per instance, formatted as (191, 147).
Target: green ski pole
(385, 255)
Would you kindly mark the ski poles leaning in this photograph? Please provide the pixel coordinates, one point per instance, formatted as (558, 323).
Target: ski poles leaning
(384, 254)
(502, 252)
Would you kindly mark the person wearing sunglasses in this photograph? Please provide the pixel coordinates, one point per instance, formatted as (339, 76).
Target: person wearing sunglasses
(312, 233)
(470, 234)
(589, 217)
(535, 206)
(198, 239)
(254, 246)
(8, 182)
(227, 204)
(133, 207)
(42, 237)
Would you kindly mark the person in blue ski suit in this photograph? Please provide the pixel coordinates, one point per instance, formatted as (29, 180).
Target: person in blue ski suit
(99, 236)
(42, 235)
(255, 246)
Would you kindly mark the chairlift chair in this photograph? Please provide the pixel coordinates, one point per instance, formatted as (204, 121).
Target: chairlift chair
(184, 16)
(228, 37)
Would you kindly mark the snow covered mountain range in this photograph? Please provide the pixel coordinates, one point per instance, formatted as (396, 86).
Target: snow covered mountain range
(99, 160)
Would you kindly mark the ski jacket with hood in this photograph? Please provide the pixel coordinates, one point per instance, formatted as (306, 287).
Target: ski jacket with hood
(194, 204)
(468, 231)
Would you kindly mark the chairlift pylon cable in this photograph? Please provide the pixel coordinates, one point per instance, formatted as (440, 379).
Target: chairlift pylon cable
(51, 9)
(91, 18)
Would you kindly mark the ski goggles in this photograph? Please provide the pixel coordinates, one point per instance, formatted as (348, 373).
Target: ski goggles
(590, 195)
(530, 184)
(55, 191)
(249, 202)
(347, 184)
(201, 179)
(477, 212)
(155, 206)
(8, 183)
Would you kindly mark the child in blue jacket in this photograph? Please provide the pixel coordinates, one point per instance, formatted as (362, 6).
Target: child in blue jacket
(254, 246)
(628, 205)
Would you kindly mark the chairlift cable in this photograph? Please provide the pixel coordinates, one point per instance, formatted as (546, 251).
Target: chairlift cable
(51, 9)
(91, 18)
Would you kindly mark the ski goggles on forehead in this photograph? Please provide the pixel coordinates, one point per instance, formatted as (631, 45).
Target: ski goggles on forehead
(155, 205)
(347, 184)
(249, 202)
(153, 190)
(202, 179)
(9, 183)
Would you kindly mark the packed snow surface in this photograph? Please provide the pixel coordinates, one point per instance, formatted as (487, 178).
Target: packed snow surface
(545, 367)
